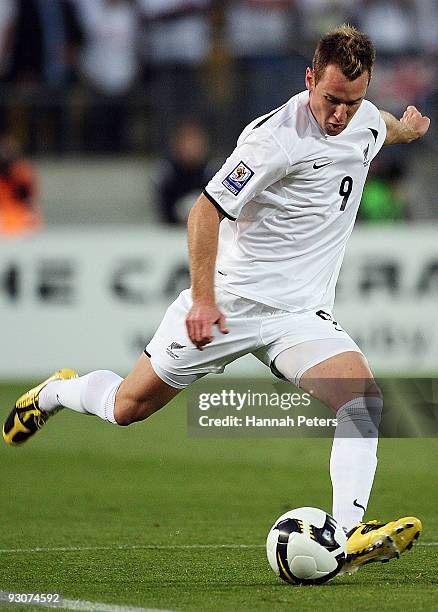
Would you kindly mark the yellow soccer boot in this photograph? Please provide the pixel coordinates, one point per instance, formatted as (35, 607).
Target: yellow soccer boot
(372, 541)
(26, 418)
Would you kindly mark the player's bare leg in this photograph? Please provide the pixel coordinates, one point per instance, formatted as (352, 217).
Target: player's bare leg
(340, 379)
(345, 383)
(141, 393)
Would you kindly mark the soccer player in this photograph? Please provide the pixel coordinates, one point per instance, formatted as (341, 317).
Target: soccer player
(266, 243)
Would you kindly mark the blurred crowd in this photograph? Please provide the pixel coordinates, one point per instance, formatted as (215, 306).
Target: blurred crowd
(122, 76)
(117, 75)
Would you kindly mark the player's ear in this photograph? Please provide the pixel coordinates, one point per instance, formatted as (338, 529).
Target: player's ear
(310, 78)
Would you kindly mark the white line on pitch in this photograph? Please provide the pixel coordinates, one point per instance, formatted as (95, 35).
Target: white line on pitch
(95, 606)
(90, 606)
(127, 547)
(147, 547)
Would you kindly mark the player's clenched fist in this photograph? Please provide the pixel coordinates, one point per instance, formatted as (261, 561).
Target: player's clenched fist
(199, 323)
(415, 122)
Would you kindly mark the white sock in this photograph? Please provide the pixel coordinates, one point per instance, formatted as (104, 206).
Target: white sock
(353, 459)
(93, 393)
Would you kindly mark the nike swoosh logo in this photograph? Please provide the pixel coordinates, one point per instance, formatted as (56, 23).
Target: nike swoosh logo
(358, 505)
(315, 167)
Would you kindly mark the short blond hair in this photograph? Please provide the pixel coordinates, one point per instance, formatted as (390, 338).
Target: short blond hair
(351, 50)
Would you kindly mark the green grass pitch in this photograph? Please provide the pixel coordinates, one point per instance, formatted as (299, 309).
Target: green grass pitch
(145, 516)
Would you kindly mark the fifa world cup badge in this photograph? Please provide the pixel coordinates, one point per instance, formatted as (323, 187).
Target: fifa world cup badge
(238, 178)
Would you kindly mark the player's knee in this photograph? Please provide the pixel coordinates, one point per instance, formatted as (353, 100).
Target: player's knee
(131, 410)
(122, 416)
(126, 413)
(373, 390)
(362, 408)
(355, 390)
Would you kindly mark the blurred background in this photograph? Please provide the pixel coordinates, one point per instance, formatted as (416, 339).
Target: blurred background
(113, 116)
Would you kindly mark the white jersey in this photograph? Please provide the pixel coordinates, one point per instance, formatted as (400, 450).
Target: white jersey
(290, 194)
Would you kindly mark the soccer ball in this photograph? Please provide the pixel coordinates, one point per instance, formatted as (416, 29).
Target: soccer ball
(306, 546)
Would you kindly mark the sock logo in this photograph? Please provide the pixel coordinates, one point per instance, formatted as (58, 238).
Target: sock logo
(358, 505)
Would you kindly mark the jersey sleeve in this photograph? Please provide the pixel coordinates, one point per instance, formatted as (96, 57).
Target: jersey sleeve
(257, 162)
(379, 134)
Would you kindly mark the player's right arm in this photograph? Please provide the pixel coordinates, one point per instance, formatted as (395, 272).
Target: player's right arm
(203, 231)
(257, 162)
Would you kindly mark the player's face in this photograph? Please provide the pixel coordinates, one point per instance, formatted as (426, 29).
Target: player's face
(334, 99)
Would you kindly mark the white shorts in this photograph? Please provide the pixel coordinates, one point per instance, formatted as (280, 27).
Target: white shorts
(254, 328)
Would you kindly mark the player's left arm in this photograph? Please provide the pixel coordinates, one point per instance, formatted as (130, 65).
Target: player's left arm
(410, 127)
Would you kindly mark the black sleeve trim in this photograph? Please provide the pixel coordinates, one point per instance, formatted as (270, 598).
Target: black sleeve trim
(147, 353)
(218, 206)
(265, 119)
(374, 132)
